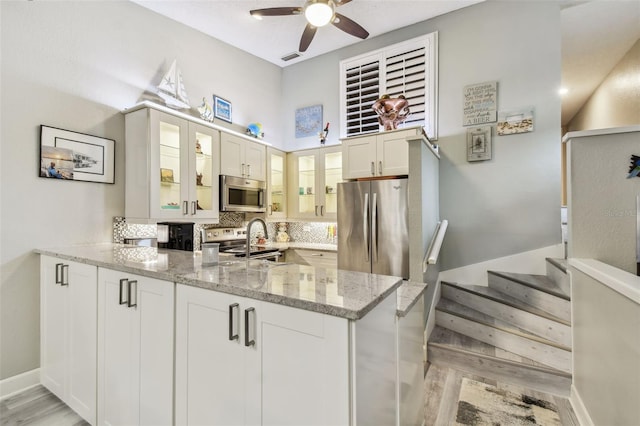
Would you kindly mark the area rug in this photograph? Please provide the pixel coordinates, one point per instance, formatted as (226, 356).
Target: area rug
(481, 404)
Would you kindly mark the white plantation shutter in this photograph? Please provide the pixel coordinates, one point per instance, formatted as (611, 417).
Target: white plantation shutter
(362, 86)
(408, 69)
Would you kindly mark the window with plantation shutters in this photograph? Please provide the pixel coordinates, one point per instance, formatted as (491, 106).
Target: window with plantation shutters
(408, 68)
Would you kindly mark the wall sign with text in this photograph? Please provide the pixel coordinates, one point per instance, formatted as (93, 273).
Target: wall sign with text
(480, 103)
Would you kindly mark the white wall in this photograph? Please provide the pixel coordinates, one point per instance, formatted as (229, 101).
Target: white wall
(76, 65)
(606, 344)
(601, 200)
(510, 204)
(616, 101)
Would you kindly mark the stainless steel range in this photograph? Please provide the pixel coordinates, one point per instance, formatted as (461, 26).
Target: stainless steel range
(234, 241)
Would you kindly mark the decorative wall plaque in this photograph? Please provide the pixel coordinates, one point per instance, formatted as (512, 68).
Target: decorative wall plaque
(480, 103)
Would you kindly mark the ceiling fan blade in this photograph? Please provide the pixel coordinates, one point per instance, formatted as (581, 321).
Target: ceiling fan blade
(340, 3)
(276, 11)
(307, 36)
(349, 26)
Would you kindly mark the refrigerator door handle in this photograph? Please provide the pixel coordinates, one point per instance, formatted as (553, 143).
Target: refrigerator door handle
(374, 228)
(365, 226)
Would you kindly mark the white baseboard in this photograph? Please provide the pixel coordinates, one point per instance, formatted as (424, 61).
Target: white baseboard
(579, 409)
(529, 262)
(19, 382)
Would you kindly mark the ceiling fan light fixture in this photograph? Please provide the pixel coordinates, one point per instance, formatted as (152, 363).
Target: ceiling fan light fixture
(319, 12)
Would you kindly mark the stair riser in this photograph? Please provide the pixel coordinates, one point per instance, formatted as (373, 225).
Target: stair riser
(560, 278)
(543, 327)
(496, 369)
(556, 306)
(537, 351)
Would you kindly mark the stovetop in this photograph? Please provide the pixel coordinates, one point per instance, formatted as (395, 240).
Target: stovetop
(233, 241)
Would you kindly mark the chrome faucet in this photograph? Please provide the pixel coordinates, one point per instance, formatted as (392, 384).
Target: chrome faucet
(251, 222)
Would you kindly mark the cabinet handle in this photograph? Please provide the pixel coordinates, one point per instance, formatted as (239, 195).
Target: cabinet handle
(243, 172)
(122, 293)
(65, 276)
(317, 254)
(316, 210)
(193, 207)
(248, 170)
(380, 168)
(231, 321)
(373, 168)
(59, 273)
(322, 210)
(248, 342)
(185, 207)
(129, 298)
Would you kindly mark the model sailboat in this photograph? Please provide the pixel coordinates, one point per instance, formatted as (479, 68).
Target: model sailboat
(172, 90)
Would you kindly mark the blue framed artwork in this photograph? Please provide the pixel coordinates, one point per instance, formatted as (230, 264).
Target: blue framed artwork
(308, 121)
(221, 109)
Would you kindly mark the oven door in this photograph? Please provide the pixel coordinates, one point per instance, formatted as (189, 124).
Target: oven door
(242, 195)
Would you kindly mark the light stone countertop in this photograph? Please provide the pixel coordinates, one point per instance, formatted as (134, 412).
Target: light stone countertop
(329, 291)
(408, 294)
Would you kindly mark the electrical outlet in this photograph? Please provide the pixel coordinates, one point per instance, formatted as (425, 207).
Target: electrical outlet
(306, 228)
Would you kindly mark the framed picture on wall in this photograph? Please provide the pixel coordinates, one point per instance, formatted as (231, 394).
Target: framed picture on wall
(221, 109)
(479, 143)
(69, 155)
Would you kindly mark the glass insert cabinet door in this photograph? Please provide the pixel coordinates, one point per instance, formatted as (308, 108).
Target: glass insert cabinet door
(203, 177)
(171, 195)
(307, 185)
(276, 184)
(332, 176)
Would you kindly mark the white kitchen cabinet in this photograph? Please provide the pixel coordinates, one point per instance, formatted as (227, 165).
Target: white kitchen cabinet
(313, 183)
(317, 258)
(68, 358)
(245, 362)
(172, 167)
(379, 154)
(276, 184)
(135, 343)
(242, 158)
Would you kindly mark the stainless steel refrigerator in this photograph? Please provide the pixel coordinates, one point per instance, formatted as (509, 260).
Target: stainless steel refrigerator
(373, 227)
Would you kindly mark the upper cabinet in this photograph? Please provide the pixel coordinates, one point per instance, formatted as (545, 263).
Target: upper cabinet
(172, 167)
(242, 158)
(276, 184)
(379, 154)
(313, 183)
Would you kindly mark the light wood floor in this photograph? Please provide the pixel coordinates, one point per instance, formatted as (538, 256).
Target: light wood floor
(37, 406)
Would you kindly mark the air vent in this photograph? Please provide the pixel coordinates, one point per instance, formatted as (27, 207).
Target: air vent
(290, 56)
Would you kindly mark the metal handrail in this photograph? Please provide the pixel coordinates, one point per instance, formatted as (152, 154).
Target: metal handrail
(433, 251)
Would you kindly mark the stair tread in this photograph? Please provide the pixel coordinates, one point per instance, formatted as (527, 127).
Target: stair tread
(448, 338)
(538, 282)
(558, 263)
(471, 314)
(500, 297)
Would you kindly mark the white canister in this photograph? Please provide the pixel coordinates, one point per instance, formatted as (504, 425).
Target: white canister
(210, 254)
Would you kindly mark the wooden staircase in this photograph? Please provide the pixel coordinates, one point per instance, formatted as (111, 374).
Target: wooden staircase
(516, 330)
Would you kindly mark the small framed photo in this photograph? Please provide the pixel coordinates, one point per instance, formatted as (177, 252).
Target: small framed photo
(69, 155)
(479, 143)
(221, 109)
(166, 175)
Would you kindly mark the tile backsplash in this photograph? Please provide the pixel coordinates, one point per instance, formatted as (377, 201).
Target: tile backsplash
(307, 232)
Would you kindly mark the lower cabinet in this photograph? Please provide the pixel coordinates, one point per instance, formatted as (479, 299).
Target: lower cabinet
(68, 305)
(245, 362)
(135, 349)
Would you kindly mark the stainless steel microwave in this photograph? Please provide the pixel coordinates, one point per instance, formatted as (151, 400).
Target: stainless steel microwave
(241, 194)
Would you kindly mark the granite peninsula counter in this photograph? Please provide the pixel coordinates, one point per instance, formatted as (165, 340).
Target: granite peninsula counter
(339, 293)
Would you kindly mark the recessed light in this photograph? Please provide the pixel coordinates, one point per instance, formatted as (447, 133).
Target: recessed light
(563, 91)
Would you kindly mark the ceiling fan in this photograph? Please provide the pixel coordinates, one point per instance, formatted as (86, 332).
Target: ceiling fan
(318, 13)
